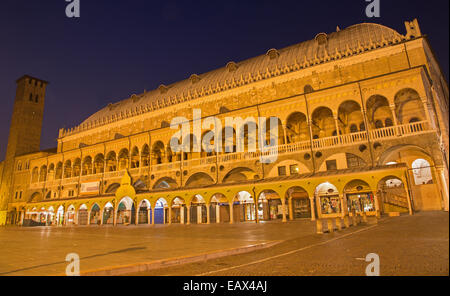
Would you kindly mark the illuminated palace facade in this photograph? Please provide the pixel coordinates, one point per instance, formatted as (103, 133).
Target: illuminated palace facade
(363, 126)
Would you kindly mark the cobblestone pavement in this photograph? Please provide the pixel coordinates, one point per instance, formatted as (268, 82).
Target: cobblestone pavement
(406, 245)
(42, 250)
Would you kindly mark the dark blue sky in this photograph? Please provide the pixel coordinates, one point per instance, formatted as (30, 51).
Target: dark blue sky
(118, 48)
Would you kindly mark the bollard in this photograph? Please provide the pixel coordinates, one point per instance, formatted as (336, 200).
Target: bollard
(346, 222)
(338, 223)
(330, 225)
(364, 217)
(319, 226)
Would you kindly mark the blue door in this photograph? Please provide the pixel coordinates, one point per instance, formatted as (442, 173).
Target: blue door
(159, 215)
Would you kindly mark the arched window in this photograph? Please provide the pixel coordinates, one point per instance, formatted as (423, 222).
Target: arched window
(379, 124)
(422, 172)
(31, 97)
(353, 128)
(388, 122)
(36, 98)
(414, 119)
(362, 127)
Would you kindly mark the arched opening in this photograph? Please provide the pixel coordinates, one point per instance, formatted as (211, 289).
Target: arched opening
(199, 180)
(83, 215)
(208, 144)
(68, 169)
(243, 207)
(111, 162)
(95, 215)
(297, 129)
(360, 197)
(198, 210)
(158, 153)
(112, 188)
(145, 156)
(135, 161)
(76, 168)
(35, 175)
(378, 111)
(58, 171)
(322, 123)
(145, 213)
(239, 174)
(179, 211)
(228, 139)
(274, 131)
(161, 209)
(70, 215)
(299, 202)
(87, 166)
(126, 211)
(191, 147)
(350, 117)
(60, 216)
(108, 214)
(124, 158)
(219, 209)
(164, 183)
(408, 105)
(327, 197)
(422, 172)
(269, 206)
(99, 164)
(43, 174)
(392, 195)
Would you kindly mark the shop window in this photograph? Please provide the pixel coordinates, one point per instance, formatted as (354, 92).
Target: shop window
(330, 204)
(282, 171)
(294, 169)
(331, 165)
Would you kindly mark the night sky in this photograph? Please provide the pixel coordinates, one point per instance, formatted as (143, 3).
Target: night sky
(118, 48)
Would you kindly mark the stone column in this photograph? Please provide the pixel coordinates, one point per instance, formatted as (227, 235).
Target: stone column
(89, 218)
(231, 212)
(394, 116)
(426, 110)
(188, 207)
(114, 216)
(153, 215)
(170, 215)
(408, 197)
(313, 212)
(208, 213)
(199, 214)
(444, 185)
(217, 213)
(136, 214)
(377, 205)
(291, 210)
(101, 216)
(283, 209)
(182, 214)
(149, 210)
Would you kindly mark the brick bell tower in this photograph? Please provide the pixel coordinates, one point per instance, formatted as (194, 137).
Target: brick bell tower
(24, 132)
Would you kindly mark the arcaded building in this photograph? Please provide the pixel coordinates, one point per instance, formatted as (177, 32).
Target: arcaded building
(362, 119)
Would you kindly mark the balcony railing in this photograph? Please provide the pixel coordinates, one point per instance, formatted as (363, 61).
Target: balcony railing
(317, 144)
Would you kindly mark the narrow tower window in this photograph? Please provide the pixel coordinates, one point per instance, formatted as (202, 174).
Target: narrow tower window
(36, 99)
